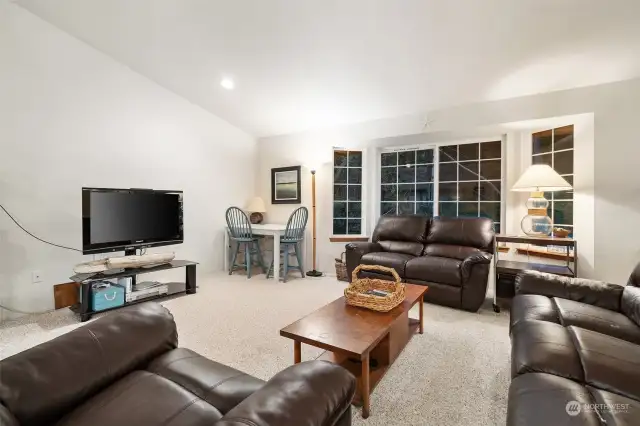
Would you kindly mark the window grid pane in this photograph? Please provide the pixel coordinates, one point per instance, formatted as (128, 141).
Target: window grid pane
(347, 192)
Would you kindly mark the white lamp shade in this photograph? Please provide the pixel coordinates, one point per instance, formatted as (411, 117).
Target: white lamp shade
(256, 204)
(541, 178)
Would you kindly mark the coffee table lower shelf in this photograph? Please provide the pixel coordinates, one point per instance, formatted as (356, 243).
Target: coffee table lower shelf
(379, 361)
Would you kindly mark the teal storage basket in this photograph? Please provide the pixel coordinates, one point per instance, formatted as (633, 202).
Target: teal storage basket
(106, 297)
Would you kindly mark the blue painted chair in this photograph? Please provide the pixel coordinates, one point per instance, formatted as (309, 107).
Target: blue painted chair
(292, 238)
(239, 228)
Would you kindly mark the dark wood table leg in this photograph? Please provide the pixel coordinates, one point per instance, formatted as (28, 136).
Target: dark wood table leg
(297, 352)
(365, 386)
(191, 279)
(421, 316)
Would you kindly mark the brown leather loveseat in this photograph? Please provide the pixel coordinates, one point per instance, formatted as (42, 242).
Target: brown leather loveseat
(125, 370)
(450, 255)
(575, 352)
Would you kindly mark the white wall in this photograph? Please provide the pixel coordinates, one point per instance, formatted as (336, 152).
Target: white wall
(71, 117)
(612, 187)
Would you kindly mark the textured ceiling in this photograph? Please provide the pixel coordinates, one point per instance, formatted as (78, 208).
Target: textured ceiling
(303, 64)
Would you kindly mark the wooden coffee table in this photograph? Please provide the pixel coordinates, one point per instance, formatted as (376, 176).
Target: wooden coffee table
(364, 342)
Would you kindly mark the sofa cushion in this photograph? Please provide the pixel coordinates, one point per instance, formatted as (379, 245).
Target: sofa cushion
(630, 303)
(532, 307)
(609, 363)
(221, 386)
(143, 399)
(404, 247)
(435, 269)
(401, 228)
(544, 347)
(541, 399)
(452, 251)
(396, 261)
(623, 412)
(597, 319)
(470, 232)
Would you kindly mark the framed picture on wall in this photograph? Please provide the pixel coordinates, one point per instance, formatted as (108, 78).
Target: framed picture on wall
(285, 185)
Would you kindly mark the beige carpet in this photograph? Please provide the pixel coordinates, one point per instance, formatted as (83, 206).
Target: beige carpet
(457, 373)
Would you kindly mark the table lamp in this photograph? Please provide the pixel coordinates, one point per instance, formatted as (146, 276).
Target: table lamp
(256, 207)
(538, 179)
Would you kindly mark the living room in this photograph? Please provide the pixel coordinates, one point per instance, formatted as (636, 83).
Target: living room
(379, 116)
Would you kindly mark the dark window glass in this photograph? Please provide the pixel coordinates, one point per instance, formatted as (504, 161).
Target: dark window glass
(355, 227)
(355, 175)
(424, 173)
(542, 159)
(406, 174)
(490, 191)
(468, 191)
(340, 158)
(340, 175)
(468, 170)
(355, 192)
(496, 228)
(355, 210)
(424, 156)
(448, 153)
(490, 210)
(542, 142)
(388, 208)
(468, 209)
(448, 172)
(406, 192)
(563, 212)
(389, 159)
(355, 159)
(469, 151)
(339, 226)
(406, 208)
(562, 195)
(339, 209)
(406, 157)
(563, 138)
(448, 191)
(448, 209)
(388, 192)
(491, 149)
(339, 192)
(491, 170)
(424, 192)
(563, 162)
(389, 175)
(424, 209)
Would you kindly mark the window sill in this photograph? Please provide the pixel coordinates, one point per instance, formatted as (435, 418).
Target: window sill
(348, 239)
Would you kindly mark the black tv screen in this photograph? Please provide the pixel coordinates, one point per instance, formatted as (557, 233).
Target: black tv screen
(126, 219)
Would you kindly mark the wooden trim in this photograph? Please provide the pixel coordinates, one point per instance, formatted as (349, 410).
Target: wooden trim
(544, 254)
(347, 239)
(503, 249)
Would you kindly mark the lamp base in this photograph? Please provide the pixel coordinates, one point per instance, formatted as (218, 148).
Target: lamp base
(314, 273)
(256, 218)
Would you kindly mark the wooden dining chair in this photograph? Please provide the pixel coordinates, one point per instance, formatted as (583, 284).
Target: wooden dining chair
(292, 239)
(239, 228)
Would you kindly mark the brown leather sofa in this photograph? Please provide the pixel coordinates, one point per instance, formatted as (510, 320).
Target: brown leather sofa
(450, 255)
(574, 340)
(126, 369)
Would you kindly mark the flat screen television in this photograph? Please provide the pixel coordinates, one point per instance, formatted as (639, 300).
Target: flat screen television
(130, 219)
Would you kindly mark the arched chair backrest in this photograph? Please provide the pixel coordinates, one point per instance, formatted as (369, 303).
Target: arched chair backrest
(238, 224)
(296, 225)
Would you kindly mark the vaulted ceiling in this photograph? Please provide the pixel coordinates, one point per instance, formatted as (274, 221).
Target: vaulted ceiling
(304, 64)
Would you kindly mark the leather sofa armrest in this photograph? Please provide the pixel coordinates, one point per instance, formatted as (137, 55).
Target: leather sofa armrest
(479, 258)
(309, 393)
(354, 252)
(592, 292)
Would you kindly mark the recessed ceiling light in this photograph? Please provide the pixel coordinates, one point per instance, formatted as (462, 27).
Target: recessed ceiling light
(227, 83)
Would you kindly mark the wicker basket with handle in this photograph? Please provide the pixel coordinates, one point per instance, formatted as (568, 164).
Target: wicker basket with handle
(341, 268)
(356, 293)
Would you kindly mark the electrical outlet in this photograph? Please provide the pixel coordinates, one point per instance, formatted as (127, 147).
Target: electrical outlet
(36, 277)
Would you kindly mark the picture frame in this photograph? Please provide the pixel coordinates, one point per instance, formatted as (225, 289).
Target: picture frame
(285, 185)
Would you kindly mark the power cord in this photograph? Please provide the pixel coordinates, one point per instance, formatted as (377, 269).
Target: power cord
(37, 238)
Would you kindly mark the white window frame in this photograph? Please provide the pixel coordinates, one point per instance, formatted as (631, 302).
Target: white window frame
(363, 197)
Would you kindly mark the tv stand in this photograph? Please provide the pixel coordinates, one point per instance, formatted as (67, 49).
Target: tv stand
(84, 308)
(131, 252)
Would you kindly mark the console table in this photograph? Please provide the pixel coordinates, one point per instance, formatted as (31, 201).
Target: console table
(511, 267)
(84, 309)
